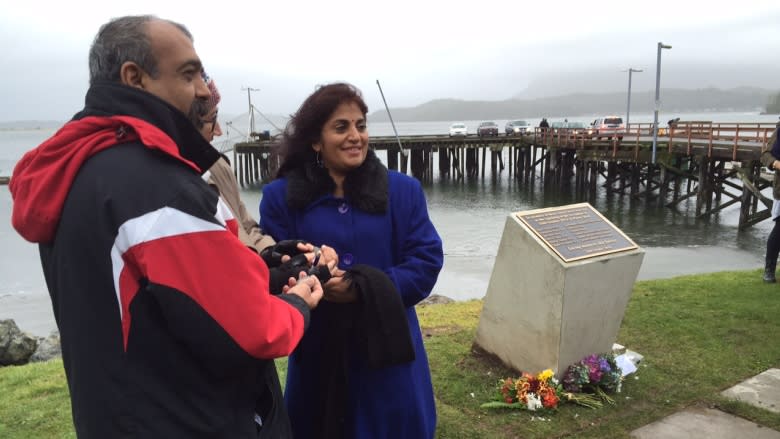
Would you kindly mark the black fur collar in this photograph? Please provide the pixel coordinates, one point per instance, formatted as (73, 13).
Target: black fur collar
(365, 187)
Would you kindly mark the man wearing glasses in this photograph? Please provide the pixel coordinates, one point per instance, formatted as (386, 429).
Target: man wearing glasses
(167, 321)
(222, 178)
(211, 126)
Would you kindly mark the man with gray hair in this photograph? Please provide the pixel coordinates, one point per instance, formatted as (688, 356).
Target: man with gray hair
(166, 319)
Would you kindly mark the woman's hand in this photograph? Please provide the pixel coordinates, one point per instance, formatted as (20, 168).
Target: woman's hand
(330, 258)
(328, 254)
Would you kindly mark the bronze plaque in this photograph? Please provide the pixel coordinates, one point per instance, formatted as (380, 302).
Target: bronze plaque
(576, 231)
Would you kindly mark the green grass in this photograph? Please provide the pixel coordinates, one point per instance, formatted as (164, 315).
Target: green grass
(699, 335)
(35, 402)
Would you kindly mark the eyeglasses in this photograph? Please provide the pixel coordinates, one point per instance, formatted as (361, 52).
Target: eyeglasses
(212, 121)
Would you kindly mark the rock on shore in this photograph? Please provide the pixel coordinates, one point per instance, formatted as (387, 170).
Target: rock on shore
(17, 347)
(435, 299)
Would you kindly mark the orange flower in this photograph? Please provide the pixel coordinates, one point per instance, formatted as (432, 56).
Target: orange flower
(507, 385)
(549, 397)
(521, 389)
(550, 400)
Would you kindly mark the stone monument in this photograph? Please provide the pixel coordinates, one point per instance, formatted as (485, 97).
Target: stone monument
(559, 288)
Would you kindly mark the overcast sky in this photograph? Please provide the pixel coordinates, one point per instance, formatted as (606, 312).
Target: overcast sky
(419, 50)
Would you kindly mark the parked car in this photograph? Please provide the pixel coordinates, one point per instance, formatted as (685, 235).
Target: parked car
(608, 126)
(570, 129)
(572, 126)
(487, 129)
(458, 129)
(514, 127)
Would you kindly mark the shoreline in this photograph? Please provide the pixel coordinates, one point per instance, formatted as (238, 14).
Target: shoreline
(44, 126)
(33, 311)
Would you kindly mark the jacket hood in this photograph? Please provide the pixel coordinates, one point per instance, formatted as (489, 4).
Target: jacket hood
(114, 114)
(106, 99)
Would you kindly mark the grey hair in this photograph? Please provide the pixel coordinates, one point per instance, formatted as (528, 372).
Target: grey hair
(121, 40)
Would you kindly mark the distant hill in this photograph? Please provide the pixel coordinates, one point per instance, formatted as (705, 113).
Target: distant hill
(678, 75)
(31, 124)
(584, 104)
(673, 100)
(773, 107)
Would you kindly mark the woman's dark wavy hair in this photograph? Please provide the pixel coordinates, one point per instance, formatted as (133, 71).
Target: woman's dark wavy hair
(305, 126)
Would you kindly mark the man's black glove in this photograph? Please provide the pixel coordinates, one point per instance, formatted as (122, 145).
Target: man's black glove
(321, 271)
(279, 275)
(272, 255)
(284, 271)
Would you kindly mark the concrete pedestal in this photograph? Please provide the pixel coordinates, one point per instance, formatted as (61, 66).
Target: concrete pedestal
(541, 312)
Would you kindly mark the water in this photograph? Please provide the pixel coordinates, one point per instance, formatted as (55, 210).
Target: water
(237, 128)
(470, 217)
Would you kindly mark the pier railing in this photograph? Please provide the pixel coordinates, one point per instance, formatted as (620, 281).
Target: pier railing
(738, 141)
(698, 159)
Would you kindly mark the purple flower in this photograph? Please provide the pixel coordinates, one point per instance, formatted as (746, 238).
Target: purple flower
(604, 365)
(591, 373)
(591, 360)
(594, 375)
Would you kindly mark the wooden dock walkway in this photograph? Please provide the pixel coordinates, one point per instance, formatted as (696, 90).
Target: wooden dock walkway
(718, 163)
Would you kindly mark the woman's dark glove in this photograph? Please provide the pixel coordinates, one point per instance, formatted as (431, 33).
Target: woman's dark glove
(272, 255)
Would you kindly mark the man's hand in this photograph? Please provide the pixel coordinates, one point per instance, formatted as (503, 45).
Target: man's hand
(306, 287)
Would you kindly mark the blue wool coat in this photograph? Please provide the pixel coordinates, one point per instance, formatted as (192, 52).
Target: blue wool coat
(392, 402)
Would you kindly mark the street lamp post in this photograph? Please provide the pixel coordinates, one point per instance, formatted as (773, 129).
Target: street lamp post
(628, 106)
(657, 96)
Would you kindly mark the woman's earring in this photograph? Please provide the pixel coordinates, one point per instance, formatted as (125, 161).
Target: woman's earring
(317, 159)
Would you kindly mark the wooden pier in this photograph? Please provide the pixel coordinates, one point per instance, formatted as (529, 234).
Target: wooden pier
(717, 163)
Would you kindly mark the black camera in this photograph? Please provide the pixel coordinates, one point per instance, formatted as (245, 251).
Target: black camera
(282, 271)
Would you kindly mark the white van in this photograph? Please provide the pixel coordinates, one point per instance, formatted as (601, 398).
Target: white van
(608, 126)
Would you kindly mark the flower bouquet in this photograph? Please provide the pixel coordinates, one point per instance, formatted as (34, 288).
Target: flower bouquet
(531, 392)
(586, 383)
(596, 374)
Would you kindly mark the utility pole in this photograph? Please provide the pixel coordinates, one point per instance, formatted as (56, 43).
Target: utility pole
(249, 91)
(657, 95)
(628, 106)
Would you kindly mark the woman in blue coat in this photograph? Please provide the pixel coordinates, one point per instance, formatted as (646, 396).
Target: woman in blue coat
(361, 370)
